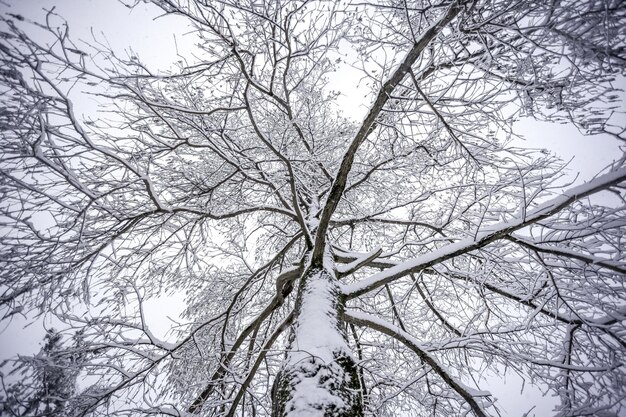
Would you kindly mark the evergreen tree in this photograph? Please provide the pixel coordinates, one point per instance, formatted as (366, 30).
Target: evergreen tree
(46, 382)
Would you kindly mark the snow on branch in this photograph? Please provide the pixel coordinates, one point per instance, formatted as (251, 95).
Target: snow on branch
(485, 236)
(375, 323)
(358, 263)
(347, 257)
(369, 123)
(589, 259)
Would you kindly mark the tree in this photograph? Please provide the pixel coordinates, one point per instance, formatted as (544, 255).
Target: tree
(331, 267)
(47, 381)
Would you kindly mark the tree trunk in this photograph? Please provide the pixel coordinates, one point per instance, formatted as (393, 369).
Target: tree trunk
(319, 378)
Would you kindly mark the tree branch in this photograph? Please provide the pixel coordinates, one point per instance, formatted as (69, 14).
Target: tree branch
(368, 125)
(374, 323)
(486, 235)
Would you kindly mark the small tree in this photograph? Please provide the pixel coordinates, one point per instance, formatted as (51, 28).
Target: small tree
(332, 268)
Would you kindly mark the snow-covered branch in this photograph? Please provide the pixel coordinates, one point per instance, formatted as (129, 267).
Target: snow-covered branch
(486, 235)
(375, 323)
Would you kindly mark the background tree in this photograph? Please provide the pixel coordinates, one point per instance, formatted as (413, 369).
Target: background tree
(46, 383)
(331, 267)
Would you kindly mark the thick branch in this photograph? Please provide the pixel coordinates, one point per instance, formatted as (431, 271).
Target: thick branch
(485, 236)
(589, 259)
(369, 124)
(374, 323)
(276, 302)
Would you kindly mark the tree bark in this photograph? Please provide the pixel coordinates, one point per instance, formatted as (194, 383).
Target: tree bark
(320, 376)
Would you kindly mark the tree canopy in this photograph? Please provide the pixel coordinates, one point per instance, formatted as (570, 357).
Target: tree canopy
(331, 267)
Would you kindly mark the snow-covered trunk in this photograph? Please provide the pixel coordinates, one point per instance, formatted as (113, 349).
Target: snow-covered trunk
(319, 378)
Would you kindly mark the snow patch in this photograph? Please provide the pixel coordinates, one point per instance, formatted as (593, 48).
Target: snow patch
(311, 397)
(317, 332)
(317, 344)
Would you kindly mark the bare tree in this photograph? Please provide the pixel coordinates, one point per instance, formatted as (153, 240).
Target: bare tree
(331, 268)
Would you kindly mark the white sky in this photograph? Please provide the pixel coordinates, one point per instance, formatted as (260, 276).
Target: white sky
(156, 43)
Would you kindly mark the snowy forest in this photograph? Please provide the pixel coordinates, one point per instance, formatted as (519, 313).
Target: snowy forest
(405, 263)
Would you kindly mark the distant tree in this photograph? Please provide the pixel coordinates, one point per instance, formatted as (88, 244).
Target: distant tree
(45, 383)
(331, 267)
